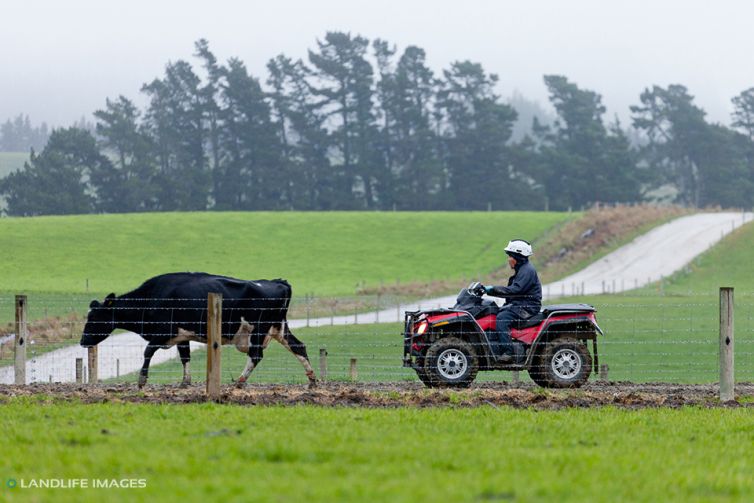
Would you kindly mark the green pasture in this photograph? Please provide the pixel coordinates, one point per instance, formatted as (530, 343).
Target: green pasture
(377, 348)
(727, 264)
(647, 339)
(11, 161)
(327, 254)
(667, 332)
(201, 452)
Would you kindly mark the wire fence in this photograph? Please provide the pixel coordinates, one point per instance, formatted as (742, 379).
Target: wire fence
(669, 339)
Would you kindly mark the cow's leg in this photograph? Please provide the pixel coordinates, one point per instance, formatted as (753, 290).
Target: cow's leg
(298, 348)
(285, 337)
(256, 351)
(183, 336)
(184, 351)
(148, 353)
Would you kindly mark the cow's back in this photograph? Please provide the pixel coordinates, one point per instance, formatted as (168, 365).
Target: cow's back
(177, 300)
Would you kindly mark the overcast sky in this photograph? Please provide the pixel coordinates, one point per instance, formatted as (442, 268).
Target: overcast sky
(60, 59)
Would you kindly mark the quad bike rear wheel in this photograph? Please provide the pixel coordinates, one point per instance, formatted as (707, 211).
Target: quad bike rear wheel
(564, 363)
(450, 363)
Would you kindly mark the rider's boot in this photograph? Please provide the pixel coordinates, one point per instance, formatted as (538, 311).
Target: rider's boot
(504, 358)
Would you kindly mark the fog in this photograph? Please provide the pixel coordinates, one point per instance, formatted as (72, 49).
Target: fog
(60, 60)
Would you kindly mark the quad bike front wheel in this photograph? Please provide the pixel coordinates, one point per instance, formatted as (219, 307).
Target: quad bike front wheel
(564, 363)
(421, 372)
(449, 363)
(536, 372)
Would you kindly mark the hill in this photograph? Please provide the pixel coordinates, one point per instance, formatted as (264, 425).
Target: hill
(669, 331)
(727, 264)
(321, 253)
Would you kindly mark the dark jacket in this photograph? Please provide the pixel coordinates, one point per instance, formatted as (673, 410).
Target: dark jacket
(524, 291)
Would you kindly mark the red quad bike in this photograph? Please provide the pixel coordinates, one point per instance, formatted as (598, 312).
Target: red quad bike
(447, 347)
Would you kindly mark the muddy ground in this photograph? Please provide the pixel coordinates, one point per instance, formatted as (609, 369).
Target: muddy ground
(388, 395)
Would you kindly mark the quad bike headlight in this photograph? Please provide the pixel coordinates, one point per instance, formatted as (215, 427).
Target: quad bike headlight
(422, 328)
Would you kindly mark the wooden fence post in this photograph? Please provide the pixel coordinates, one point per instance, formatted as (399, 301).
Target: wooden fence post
(727, 382)
(308, 309)
(93, 361)
(214, 343)
(603, 372)
(79, 370)
(352, 371)
(22, 337)
(323, 364)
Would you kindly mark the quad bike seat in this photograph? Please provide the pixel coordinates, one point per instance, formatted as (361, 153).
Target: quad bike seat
(547, 310)
(533, 321)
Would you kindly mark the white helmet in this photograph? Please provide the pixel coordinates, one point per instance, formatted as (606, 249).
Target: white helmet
(520, 246)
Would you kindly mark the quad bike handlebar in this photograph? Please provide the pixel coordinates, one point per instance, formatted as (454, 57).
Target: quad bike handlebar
(476, 288)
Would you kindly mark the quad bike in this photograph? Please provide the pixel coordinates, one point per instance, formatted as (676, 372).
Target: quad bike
(447, 347)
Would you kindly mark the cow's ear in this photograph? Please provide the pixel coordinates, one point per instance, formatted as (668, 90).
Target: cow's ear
(109, 300)
(94, 304)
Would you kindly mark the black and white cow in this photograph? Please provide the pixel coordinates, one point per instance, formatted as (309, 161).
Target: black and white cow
(171, 310)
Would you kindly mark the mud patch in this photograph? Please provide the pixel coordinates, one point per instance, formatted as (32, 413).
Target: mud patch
(391, 395)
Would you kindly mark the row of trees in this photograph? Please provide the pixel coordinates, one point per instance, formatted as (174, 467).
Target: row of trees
(360, 126)
(19, 135)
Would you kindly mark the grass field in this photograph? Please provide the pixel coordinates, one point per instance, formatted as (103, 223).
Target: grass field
(215, 452)
(321, 253)
(665, 333)
(727, 264)
(209, 451)
(11, 161)
(377, 348)
(648, 339)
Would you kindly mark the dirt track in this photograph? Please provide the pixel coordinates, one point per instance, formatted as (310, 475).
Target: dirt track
(388, 395)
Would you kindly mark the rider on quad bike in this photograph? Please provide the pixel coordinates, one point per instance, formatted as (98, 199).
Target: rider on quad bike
(523, 297)
(447, 347)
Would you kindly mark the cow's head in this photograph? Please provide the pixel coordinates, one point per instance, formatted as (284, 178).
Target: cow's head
(100, 321)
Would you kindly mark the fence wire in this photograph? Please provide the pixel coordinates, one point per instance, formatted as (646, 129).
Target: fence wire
(672, 339)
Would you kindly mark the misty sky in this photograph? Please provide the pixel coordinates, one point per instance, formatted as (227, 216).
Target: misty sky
(59, 60)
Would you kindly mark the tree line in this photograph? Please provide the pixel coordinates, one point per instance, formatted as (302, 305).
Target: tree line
(362, 126)
(19, 135)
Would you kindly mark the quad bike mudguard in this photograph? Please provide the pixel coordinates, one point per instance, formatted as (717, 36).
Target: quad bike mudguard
(447, 319)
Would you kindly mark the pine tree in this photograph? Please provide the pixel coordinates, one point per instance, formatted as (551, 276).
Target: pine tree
(176, 121)
(55, 182)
